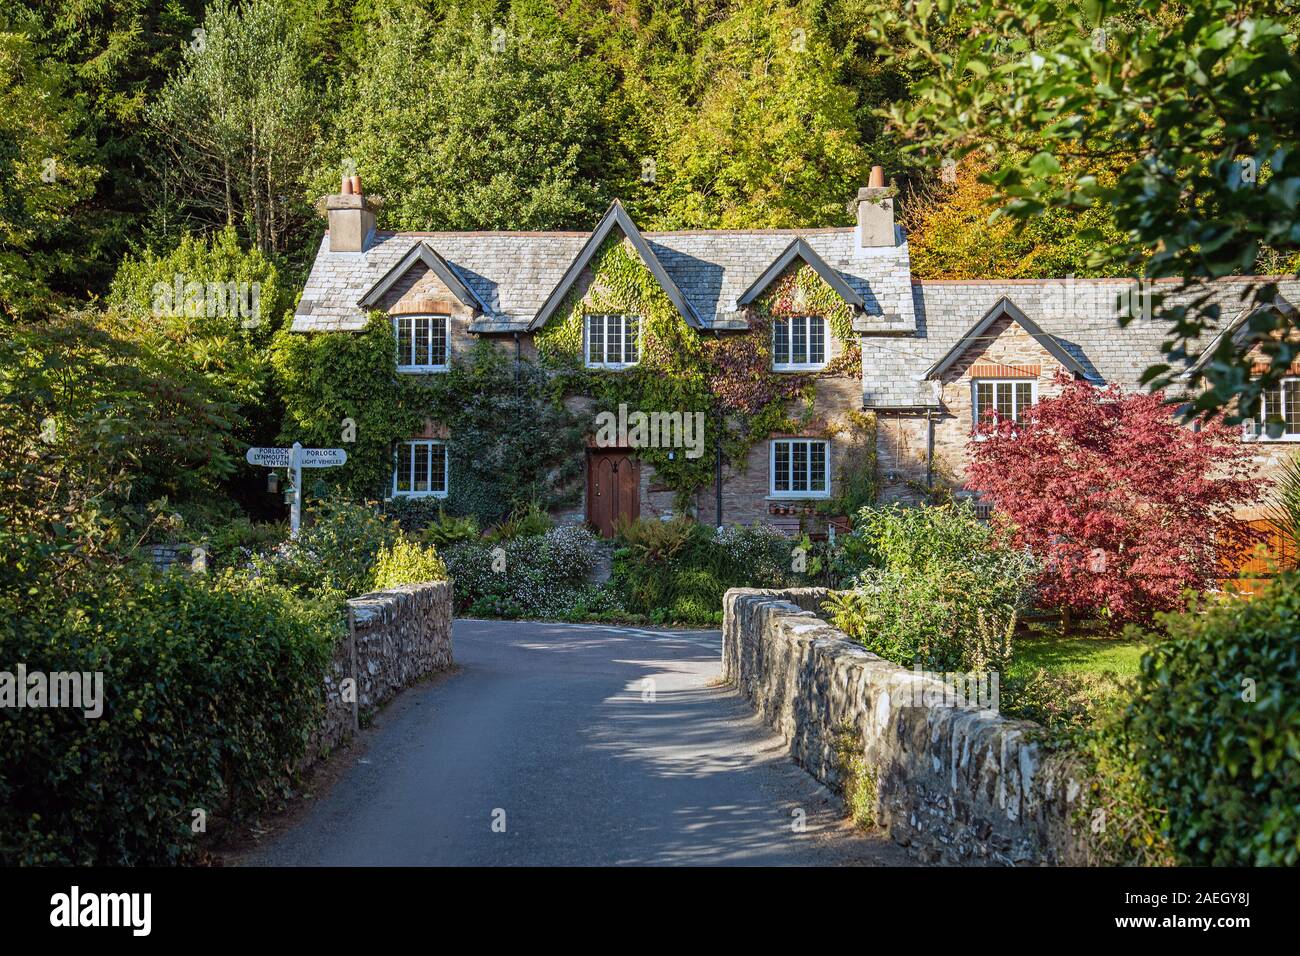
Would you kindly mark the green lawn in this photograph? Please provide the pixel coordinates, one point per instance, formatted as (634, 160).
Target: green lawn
(1083, 653)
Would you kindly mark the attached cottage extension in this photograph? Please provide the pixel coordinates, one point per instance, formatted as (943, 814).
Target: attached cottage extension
(934, 355)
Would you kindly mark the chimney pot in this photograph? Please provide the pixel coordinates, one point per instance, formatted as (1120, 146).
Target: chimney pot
(346, 188)
(877, 180)
(355, 182)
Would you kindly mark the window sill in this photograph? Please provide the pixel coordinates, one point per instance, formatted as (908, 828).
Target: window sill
(797, 496)
(423, 369)
(611, 367)
(419, 494)
(802, 367)
(1266, 440)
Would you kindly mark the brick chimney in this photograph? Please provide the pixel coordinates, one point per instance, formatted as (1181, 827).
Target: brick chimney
(351, 217)
(875, 209)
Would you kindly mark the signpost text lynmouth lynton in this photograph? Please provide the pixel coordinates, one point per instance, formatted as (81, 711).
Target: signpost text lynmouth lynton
(296, 459)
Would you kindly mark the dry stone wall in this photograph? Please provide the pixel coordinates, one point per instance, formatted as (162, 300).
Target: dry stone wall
(953, 784)
(397, 637)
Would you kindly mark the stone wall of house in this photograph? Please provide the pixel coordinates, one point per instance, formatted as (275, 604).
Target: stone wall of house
(1009, 352)
(397, 637)
(746, 492)
(902, 443)
(953, 784)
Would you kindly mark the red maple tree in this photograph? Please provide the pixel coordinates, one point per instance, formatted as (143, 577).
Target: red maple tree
(1125, 506)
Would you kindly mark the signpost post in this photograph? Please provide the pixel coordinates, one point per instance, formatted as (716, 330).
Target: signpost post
(296, 459)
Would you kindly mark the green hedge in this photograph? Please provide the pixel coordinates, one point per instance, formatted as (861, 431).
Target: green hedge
(1215, 721)
(212, 687)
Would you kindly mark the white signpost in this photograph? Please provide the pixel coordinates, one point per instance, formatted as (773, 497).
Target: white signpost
(296, 459)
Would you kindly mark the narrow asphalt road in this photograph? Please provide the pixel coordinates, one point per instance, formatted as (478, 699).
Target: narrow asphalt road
(592, 745)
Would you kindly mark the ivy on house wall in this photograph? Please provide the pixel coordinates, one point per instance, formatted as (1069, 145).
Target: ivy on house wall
(511, 441)
(513, 444)
(330, 380)
(728, 376)
(671, 375)
(519, 440)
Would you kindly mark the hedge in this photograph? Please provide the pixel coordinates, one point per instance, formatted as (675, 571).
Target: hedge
(212, 686)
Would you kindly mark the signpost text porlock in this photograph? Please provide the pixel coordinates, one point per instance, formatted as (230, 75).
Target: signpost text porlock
(296, 459)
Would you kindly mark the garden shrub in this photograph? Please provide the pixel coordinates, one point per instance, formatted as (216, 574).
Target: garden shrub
(335, 551)
(211, 688)
(947, 592)
(523, 522)
(1214, 719)
(407, 562)
(541, 575)
(678, 571)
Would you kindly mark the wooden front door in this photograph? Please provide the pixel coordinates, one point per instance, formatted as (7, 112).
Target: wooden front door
(613, 488)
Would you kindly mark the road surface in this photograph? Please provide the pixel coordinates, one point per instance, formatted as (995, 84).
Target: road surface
(557, 744)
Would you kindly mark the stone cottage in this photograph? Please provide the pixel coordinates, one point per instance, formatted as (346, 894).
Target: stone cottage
(934, 355)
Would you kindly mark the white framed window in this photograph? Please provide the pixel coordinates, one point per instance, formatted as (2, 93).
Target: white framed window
(800, 468)
(420, 469)
(1281, 402)
(421, 343)
(798, 343)
(1008, 397)
(612, 341)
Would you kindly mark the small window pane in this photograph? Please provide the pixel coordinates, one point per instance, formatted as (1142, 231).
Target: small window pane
(816, 340)
(1024, 397)
(1291, 406)
(983, 401)
(438, 347)
(799, 340)
(439, 470)
(799, 480)
(614, 350)
(596, 339)
(782, 467)
(1004, 406)
(404, 467)
(633, 329)
(817, 467)
(404, 340)
(780, 342)
(421, 354)
(420, 467)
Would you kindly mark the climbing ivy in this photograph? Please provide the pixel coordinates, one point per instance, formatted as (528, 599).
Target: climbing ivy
(728, 376)
(672, 372)
(513, 444)
(341, 386)
(520, 439)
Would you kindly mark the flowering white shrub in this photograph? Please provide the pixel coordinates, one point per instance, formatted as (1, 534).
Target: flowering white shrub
(540, 575)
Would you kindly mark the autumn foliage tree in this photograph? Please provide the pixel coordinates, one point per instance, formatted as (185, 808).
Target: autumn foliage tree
(1126, 508)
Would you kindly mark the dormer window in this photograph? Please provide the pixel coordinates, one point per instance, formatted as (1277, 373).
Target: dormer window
(798, 343)
(1009, 399)
(421, 343)
(612, 340)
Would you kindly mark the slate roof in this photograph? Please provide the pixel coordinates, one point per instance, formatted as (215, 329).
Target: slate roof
(799, 249)
(908, 327)
(1079, 315)
(616, 217)
(513, 273)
